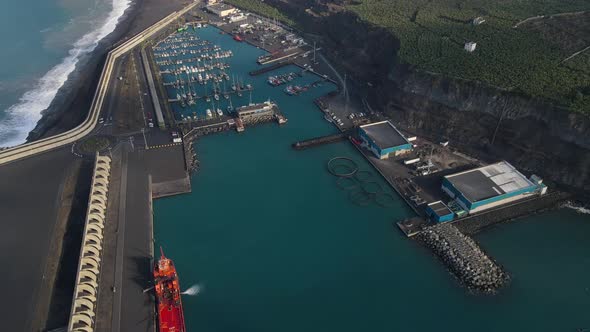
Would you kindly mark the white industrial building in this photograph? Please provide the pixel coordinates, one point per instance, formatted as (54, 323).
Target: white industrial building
(470, 46)
(221, 9)
(491, 186)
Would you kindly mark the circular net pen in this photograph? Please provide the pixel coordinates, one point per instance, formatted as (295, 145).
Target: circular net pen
(347, 183)
(342, 167)
(360, 198)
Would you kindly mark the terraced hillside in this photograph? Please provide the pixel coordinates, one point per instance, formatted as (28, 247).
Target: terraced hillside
(526, 57)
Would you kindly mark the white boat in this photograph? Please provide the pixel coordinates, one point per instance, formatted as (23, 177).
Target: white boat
(219, 112)
(209, 113)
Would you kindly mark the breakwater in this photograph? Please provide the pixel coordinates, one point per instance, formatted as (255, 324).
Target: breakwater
(464, 258)
(270, 68)
(300, 145)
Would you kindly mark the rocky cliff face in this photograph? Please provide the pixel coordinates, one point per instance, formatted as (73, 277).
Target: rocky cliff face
(492, 124)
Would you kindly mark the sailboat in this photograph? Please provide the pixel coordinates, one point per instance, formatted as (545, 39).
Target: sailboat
(225, 95)
(230, 107)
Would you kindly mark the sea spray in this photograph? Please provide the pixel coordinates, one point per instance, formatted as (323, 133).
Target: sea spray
(23, 116)
(577, 208)
(193, 290)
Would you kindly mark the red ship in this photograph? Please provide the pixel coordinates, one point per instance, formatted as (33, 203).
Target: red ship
(167, 285)
(238, 38)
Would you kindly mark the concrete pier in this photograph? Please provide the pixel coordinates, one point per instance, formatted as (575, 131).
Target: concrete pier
(300, 145)
(270, 68)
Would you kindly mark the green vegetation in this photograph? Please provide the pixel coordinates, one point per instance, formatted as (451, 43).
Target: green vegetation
(433, 33)
(93, 144)
(259, 7)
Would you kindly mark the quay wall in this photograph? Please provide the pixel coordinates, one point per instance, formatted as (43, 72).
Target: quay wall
(475, 223)
(88, 125)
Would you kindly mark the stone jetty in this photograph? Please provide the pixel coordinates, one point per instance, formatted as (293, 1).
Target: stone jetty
(464, 258)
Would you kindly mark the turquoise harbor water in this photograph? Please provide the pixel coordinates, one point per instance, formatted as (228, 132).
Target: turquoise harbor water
(276, 245)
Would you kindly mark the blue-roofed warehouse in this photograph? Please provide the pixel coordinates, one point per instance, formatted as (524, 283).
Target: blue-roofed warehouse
(383, 139)
(439, 212)
(490, 186)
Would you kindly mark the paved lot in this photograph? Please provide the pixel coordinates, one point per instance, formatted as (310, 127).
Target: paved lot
(127, 267)
(137, 307)
(29, 198)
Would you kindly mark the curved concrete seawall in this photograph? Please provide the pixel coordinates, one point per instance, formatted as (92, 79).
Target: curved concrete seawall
(86, 127)
(83, 311)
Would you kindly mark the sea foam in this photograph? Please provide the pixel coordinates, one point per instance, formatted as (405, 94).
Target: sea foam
(22, 117)
(578, 209)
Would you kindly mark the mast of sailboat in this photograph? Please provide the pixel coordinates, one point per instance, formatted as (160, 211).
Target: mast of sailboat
(188, 83)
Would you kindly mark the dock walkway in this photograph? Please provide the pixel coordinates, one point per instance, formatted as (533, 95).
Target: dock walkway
(316, 141)
(270, 68)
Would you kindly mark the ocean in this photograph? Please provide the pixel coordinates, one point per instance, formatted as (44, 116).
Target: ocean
(43, 41)
(274, 243)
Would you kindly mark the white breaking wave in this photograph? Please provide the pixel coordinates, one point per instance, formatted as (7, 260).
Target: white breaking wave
(22, 117)
(579, 209)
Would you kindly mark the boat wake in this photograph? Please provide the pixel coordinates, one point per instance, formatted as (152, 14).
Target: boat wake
(23, 116)
(579, 209)
(193, 290)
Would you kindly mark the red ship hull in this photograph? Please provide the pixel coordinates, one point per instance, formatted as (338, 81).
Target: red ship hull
(167, 286)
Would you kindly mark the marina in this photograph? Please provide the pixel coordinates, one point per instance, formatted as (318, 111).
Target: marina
(205, 83)
(263, 229)
(266, 232)
(380, 138)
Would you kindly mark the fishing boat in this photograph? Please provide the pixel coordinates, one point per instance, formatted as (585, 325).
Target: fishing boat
(167, 286)
(238, 38)
(209, 114)
(290, 90)
(239, 125)
(219, 112)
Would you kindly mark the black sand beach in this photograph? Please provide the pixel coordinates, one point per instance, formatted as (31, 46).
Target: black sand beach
(71, 105)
